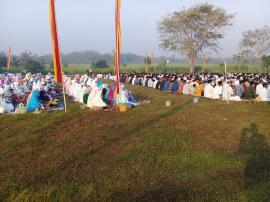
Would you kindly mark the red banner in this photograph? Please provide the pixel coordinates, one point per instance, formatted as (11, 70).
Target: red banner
(146, 63)
(55, 44)
(118, 44)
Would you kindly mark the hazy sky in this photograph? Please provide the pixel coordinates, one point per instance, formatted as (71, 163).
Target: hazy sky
(89, 24)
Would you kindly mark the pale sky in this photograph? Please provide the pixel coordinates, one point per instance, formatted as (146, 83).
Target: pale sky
(89, 24)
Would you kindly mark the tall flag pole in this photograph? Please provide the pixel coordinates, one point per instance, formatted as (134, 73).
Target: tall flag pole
(9, 58)
(152, 61)
(56, 49)
(118, 44)
(146, 63)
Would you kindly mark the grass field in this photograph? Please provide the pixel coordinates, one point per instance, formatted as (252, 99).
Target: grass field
(212, 151)
(140, 68)
(158, 68)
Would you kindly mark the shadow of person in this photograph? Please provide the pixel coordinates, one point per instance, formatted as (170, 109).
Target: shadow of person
(257, 170)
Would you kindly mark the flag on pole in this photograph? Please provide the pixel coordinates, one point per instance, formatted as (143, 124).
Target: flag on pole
(56, 50)
(146, 63)
(152, 61)
(55, 44)
(9, 58)
(118, 44)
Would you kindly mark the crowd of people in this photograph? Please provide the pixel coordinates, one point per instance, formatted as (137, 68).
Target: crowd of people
(95, 94)
(231, 86)
(21, 93)
(34, 92)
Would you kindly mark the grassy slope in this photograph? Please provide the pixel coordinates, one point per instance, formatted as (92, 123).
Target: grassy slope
(184, 153)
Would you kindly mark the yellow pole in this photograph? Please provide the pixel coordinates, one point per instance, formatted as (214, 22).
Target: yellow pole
(9, 58)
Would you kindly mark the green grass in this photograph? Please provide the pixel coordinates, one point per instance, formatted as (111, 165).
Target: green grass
(212, 151)
(139, 68)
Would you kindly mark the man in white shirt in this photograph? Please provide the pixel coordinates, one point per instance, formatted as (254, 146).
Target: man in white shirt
(263, 93)
(208, 90)
(259, 87)
(218, 91)
(227, 91)
(187, 88)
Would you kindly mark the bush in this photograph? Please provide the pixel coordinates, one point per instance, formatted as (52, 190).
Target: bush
(100, 64)
(3, 59)
(266, 63)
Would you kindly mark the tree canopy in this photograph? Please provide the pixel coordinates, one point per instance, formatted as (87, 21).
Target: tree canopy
(100, 63)
(149, 60)
(194, 30)
(3, 60)
(256, 43)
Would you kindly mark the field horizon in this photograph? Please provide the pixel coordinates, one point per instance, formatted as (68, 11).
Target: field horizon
(160, 68)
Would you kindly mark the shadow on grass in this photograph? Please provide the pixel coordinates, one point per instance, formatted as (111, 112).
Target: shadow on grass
(257, 170)
(164, 193)
(80, 157)
(141, 96)
(174, 193)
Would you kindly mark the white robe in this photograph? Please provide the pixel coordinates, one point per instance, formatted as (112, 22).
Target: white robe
(83, 91)
(208, 91)
(68, 85)
(150, 83)
(72, 85)
(268, 92)
(123, 97)
(227, 91)
(78, 93)
(95, 99)
(263, 94)
(155, 83)
(187, 89)
(133, 81)
(2, 109)
(76, 90)
(143, 82)
(259, 87)
(217, 92)
(8, 107)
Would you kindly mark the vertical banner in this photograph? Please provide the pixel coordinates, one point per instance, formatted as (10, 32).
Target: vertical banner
(55, 44)
(56, 50)
(118, 44)
(9, 58)
(152, 61)
(146, 63)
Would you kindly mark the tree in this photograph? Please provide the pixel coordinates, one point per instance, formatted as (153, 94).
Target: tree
(149, 60)
(29, 63)
(265, 62)
(113, 59)
(193, 30)
(3, 59)
(241, 59)
(204, 60)
(257, 42)
(100, 63)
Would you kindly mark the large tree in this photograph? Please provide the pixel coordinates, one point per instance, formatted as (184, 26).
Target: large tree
(194, 30)
(3, 59)
(256, 42)
(266, 62)
(30, 63)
